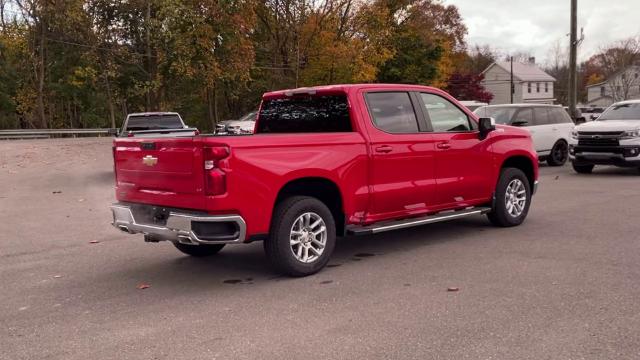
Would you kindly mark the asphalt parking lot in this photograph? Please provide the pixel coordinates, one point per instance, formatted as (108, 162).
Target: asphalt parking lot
(565, 285)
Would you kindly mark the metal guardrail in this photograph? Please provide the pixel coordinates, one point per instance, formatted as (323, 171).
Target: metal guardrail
(49, 133)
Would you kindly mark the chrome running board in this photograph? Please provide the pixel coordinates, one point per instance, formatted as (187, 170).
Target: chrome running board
(407, 223)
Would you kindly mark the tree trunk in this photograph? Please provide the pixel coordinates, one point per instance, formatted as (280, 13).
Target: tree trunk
(41, 73)
(112, 114)
(147, 24)
(215, 103)
(210, 118)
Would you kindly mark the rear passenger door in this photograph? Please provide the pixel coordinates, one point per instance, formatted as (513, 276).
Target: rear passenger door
(464, 162)
(402, 166)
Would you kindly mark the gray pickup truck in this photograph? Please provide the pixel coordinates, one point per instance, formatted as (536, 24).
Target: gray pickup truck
(156, 124)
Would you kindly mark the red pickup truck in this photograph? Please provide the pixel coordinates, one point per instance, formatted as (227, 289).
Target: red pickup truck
(325, 162)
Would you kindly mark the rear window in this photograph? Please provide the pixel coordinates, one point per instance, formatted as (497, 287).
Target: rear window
(154, 122)
(308, 114)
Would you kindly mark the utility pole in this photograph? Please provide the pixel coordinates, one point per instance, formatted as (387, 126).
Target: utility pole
(573, 48)
(512, 88)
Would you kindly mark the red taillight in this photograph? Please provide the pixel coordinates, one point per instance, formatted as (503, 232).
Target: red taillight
(115, 171)
(215, 178)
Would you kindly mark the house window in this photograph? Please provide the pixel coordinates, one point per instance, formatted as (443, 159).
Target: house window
(602, 91)
(537, 87)
(546, 87)
(529, 88)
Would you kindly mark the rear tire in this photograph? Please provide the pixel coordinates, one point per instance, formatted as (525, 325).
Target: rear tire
(559, 154)
(199, 250)
(582, 169)
(302, 236)
(512, 199)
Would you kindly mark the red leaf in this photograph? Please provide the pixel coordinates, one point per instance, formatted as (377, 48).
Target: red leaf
(143, 286)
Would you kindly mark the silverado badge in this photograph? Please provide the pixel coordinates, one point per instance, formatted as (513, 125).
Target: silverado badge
(149, 160)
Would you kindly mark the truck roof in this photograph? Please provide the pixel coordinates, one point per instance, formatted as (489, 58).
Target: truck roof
(342, 88)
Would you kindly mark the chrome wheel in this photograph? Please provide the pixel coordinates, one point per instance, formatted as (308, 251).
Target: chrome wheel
(308, 237)
(515, 198)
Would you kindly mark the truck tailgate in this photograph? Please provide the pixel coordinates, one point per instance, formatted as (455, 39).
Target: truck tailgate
(160, 171)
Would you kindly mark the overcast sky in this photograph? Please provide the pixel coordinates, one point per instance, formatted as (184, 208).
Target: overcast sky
(535, 26)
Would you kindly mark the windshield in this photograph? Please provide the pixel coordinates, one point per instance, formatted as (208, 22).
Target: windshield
(502, 114)
(154, 122)
(621, 112)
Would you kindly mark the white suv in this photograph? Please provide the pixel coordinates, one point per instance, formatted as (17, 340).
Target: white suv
(550, 127)
(612, 139)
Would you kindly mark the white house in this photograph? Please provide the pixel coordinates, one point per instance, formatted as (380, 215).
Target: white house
(624, 85)
(531, 84)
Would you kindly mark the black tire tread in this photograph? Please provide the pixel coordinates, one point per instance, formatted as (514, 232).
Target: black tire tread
(498, 216)
(281, 262)
(551, 161)
(582, 169)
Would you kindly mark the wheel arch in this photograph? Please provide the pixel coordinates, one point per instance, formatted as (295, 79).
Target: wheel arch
(523, 163)
(320, 188)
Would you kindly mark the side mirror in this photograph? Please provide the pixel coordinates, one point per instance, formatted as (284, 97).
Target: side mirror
(594, 117)
(580, 120)
(519, 122)
(486, 126)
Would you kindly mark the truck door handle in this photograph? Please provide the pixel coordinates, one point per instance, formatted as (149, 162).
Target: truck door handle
(384, 149)
(444, 145)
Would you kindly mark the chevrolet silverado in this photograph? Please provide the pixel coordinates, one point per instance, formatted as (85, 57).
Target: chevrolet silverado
(325, 162)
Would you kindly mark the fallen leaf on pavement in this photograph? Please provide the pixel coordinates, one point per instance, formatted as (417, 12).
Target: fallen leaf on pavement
(94, 242)
(80, 200)
(57, 192)
(57, 276)
(143, 286)
(453, 289)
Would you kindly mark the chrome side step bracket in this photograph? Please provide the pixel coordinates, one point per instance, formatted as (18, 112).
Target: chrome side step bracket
(407, 223)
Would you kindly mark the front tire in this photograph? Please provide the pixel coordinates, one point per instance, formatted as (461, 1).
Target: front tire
(559, 154)
(582, 169)
(302, 237)
(512, 199)
(199, 250)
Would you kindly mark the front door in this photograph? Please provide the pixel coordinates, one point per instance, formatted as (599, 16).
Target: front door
(402, 170)
(464, 162)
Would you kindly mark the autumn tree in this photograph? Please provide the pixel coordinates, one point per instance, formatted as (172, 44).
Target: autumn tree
(617, 63)
(468, 87)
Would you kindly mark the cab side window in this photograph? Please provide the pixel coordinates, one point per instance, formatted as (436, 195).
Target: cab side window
(392, 112)
(444, 116)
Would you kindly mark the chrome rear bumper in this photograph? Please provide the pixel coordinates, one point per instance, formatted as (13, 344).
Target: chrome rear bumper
(178, 227)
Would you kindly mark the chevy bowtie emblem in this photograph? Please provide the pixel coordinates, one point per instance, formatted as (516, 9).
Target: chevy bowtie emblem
(149, 160)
